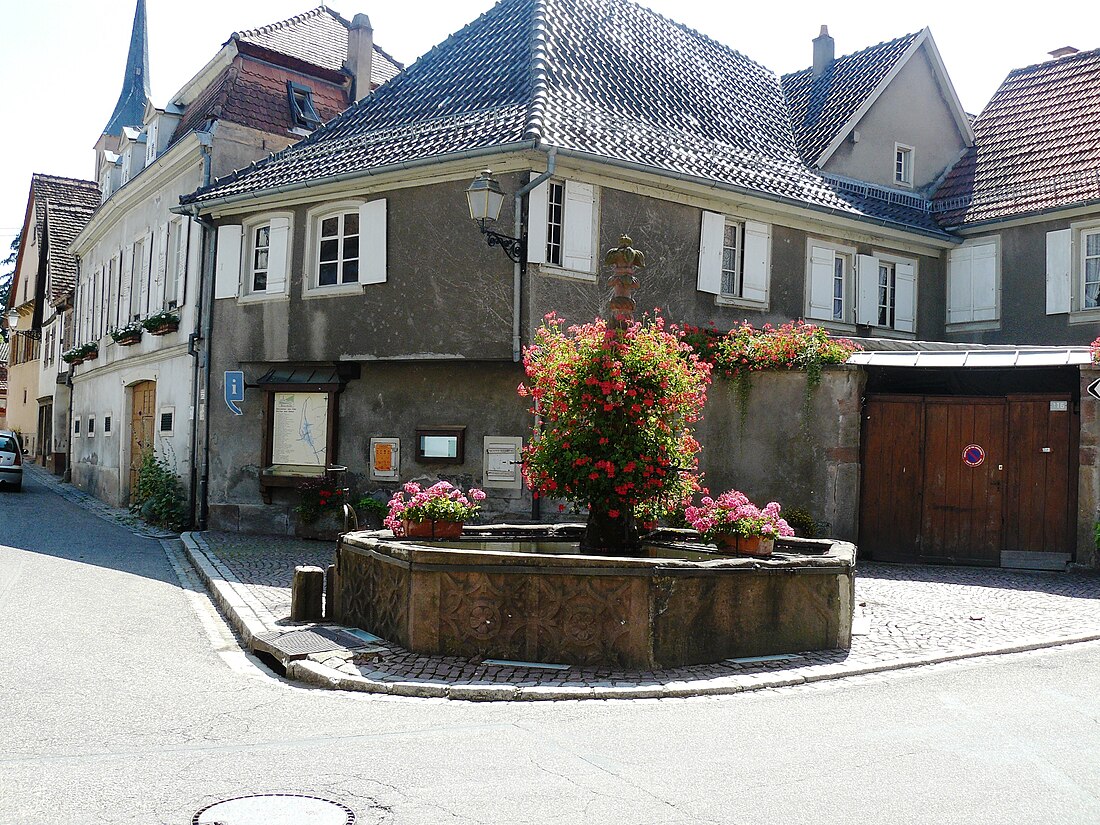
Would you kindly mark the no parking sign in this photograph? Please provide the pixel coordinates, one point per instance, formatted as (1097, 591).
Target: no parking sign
(973, 455)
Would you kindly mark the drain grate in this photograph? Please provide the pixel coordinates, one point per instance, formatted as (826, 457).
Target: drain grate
(275, 809)
(297, 644)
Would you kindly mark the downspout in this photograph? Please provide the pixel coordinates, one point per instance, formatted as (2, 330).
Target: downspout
(200, 376)
(520, 266)
(517, 282)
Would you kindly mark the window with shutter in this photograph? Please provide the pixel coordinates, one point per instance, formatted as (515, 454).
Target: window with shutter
(734, 259)
(973, 283)
(347, 244)
(830, 283)
(886, 291)
(562, 226)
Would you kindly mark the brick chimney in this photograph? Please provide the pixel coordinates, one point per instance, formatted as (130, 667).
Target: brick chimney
(823, 52)
(360, 55)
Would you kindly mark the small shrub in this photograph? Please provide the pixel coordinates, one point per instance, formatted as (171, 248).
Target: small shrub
(317, 496)
(159, 498)
(802, 523)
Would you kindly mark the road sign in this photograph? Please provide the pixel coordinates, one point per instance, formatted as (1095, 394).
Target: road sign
(234, 390)
(973, 455)
(1093, 389)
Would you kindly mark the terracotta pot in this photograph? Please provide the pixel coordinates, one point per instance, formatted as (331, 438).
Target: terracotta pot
(165, 329)
(129, 341)
(747, 545)
(432, 529)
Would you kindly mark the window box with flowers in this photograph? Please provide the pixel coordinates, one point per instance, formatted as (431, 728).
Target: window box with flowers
(436, 512)
(128, 335)
(320, 508)
(162, 323)
(78, 355)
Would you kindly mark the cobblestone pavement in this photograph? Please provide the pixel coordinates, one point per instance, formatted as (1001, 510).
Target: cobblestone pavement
(907, 616)
(116, 515)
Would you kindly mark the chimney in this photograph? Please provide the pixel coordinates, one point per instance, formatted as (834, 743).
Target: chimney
(1065, 51)
(360, 55)
(823, 52)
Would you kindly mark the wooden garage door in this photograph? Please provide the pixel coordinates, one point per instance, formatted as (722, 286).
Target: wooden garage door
(968, 480)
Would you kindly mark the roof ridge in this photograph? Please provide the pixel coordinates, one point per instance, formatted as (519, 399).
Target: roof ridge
(1054, 61)
(48, 176)
(883, 44)
(539, 72)
(282, 24)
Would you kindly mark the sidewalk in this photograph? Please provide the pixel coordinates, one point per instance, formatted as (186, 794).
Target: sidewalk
(907, 617)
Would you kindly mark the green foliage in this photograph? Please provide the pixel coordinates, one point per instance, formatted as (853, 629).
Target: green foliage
(374, 508)
(802, 522)
(159, 498)
(6, 277)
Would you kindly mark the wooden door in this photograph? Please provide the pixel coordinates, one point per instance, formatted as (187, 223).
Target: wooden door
(963, 492)
(1040, 501)
(890, 501)
(142, 422)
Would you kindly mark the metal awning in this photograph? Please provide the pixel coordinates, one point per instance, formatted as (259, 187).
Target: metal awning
(987, 357)
(300, 375)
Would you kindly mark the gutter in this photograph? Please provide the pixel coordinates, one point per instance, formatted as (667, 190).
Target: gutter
(1026, 216)
(194, 206)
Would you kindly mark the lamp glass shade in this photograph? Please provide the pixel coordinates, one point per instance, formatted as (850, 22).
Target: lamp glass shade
(485, 197)
(13, 319)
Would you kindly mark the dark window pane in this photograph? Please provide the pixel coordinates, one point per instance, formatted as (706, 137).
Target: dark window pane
(330, 250)
(330, 227)
(351, 272)
(351, 248)
(351, 223)
(259, 282)
(262, 236)
(327, 275)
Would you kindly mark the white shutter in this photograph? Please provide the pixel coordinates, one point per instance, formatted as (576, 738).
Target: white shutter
(537, 214)
(227, 270)
(160, 281)
(278, 248)
(1059, 267)
(372, 242)
(984, 274)
(821, 283)
(757, 265)
(960, 302)
(179, 276)
(711, 240)
(866, 289)
(905, 297)
(125, 285)
(147, 262)
(580, 227)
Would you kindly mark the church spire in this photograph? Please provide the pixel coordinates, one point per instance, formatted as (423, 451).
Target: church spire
(130, 109)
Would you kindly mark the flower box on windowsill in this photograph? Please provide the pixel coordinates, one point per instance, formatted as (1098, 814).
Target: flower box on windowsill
(162, 323)
(78, 355)
(128, 340)
(128, 335)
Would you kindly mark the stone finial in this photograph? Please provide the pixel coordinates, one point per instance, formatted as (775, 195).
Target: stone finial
(624, 261)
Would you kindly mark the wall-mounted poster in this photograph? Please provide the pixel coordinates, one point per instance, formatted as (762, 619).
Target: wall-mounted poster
(385, 459)
(300, 432)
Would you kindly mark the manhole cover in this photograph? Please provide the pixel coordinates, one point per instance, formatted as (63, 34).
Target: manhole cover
(275, 809)
(297, 644)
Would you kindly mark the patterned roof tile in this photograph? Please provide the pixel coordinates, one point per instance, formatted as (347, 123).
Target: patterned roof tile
(1037, 145)
(820, 107)
(607, 78)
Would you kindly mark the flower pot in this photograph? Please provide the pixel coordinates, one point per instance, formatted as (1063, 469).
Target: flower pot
(165, 329)
(747, 545)
(432, 529)
(129, 341)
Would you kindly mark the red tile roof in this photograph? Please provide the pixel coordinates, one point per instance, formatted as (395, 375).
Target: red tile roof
(1037, 145)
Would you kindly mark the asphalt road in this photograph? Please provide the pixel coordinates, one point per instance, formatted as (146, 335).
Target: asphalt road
(124, 700)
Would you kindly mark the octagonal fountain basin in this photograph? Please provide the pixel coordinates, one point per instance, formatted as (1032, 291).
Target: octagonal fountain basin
(526, 593)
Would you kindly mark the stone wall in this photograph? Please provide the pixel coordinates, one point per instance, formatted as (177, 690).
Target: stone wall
(1088, 487)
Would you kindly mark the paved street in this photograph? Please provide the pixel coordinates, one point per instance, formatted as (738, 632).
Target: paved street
(126, 701)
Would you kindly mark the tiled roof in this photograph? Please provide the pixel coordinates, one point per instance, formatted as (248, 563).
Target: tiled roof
(319, 37)
(605, 78)
(820, 108)
(1037, 145)
(63, 223)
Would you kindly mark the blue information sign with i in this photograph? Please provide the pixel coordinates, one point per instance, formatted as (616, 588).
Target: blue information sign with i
(234, 390)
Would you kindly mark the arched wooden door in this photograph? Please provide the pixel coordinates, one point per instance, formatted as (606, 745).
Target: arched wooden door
(142, 421)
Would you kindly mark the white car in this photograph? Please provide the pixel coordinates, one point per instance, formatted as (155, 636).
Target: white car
(11, 460)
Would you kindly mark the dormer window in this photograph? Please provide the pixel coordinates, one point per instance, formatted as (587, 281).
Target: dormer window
(301, 105)
(903, 164)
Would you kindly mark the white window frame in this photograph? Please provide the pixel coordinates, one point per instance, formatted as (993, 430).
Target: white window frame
(539, 235)
(893, 260)
(311, 287)
(846, 322)
(76, 425)
(1079, 313)
(983, 324)
(905, 157)
(89, 427)
(248, 292)
(160, 419)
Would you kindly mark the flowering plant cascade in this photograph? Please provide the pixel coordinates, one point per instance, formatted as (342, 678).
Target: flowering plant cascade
(440, 502)
(732, 514)
(1094, 351)
(791, 346)
(615, 410)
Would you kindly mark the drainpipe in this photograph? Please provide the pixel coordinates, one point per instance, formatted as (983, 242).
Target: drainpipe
(198, 347)
(521, 265)
(517, 281)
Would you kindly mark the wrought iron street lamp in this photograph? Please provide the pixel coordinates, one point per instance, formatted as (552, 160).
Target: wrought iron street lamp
(13, 319)
(485, 198)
